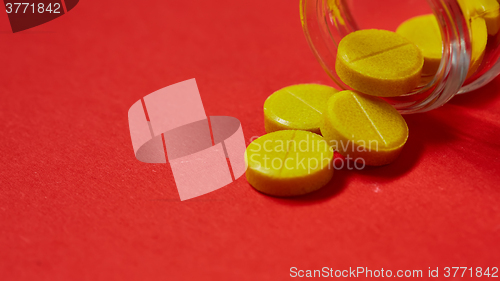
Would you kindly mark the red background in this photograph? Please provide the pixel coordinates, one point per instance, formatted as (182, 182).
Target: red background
(75, 204)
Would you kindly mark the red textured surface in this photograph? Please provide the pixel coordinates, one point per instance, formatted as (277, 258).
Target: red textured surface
(75, 204)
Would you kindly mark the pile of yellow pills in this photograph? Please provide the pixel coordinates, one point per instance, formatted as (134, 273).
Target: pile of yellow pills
(379, 63)
(297, 107)
(424, 32)
(364, 128)
(289, 163)
(306, 123)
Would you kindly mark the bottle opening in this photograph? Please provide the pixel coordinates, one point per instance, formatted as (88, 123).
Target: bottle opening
(469, 39)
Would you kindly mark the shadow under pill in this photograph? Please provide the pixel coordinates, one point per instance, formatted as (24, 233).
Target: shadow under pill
(334, 188)
(424, 129)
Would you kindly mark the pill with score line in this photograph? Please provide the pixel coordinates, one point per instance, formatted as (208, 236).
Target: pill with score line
(289, 163)
(296, 107)
(364, 127)
(379, 63)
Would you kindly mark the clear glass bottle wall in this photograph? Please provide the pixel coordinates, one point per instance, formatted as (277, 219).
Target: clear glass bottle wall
(326, 22)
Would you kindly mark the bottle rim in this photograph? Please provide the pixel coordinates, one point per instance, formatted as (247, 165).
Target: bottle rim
(323, 38)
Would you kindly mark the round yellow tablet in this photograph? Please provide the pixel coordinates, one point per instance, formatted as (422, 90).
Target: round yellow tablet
(424, 32)
(297, 107)
(478, 29)
(479, 39)
(379, 63)
(489, 10)
(364, 128)
(289, 163)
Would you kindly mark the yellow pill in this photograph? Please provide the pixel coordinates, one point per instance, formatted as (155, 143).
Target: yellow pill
(297, 107)
(489, 10)
(337, 17)
(379, 63)
(479, 39)
(289, 163)
(364, 128)
(478, 31)
(424, 32)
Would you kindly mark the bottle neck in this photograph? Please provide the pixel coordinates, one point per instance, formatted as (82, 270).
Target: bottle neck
(326, 22)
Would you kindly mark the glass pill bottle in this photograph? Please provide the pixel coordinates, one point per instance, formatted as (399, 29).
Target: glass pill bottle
(326, 22)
